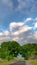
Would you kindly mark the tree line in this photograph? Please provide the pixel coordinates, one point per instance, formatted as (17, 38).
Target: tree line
(11, 49)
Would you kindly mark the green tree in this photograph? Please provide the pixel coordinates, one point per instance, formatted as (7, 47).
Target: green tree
(9, 49)
(29, 50)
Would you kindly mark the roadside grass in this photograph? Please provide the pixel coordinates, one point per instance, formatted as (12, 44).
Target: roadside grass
(33, 62)
(6, 62)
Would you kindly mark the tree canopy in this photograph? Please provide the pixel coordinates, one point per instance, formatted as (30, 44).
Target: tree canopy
(11, 49)
(29, 50)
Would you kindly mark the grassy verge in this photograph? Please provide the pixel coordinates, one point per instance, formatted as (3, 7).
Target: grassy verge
(5, 62)
(33, 62)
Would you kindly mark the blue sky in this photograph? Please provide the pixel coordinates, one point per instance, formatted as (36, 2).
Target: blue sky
(18, 21)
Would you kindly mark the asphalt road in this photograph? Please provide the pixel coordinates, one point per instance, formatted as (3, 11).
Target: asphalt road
(27, 63)
(21, 63)
(18, 63)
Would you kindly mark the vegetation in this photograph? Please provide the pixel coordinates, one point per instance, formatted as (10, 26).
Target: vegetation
(6, 62)
(33, 62)
(11, 49)
(29, 51)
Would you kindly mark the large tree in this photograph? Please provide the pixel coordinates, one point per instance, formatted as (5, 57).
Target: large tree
(10, 49)
(29, 51)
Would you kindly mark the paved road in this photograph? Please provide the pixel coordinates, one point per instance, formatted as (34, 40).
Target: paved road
(27, 63)
(18, 63)
(21, 63)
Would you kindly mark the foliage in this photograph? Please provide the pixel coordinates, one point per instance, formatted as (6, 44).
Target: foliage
(9, 50)
(29, 50)
(33, 62)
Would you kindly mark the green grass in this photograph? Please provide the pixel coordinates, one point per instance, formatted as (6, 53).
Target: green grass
(5, 62)
(33, 62)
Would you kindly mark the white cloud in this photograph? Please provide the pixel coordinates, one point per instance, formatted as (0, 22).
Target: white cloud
(6, 33)
(4, 36)
(22, 29)
(20, 32)
(28, 20)
(15, 38)
(35, 25)
(1, 34)
(19, 24)
(23, 33)
(15, 24)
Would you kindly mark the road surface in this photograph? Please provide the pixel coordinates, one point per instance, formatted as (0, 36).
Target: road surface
(27, 63)
(21, 63)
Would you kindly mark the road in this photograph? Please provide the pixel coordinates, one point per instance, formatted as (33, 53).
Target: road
(21, 63)
(27, 63)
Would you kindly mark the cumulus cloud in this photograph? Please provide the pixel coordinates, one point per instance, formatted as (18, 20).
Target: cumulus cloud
(19, 24)
(15, 24)
(20, 32)
(6, 33)
(4, 36)
(17, 10)
(24, 33)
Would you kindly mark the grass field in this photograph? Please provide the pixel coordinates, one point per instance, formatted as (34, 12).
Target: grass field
(33, 62)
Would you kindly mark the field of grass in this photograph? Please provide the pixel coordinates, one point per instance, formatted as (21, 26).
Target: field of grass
(33, 62)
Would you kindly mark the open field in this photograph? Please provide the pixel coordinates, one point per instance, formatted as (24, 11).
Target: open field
(33, 62)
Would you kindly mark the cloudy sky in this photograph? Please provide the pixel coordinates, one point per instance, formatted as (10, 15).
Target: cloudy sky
(18, 21)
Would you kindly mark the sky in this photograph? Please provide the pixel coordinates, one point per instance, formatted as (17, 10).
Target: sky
(18, 21)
